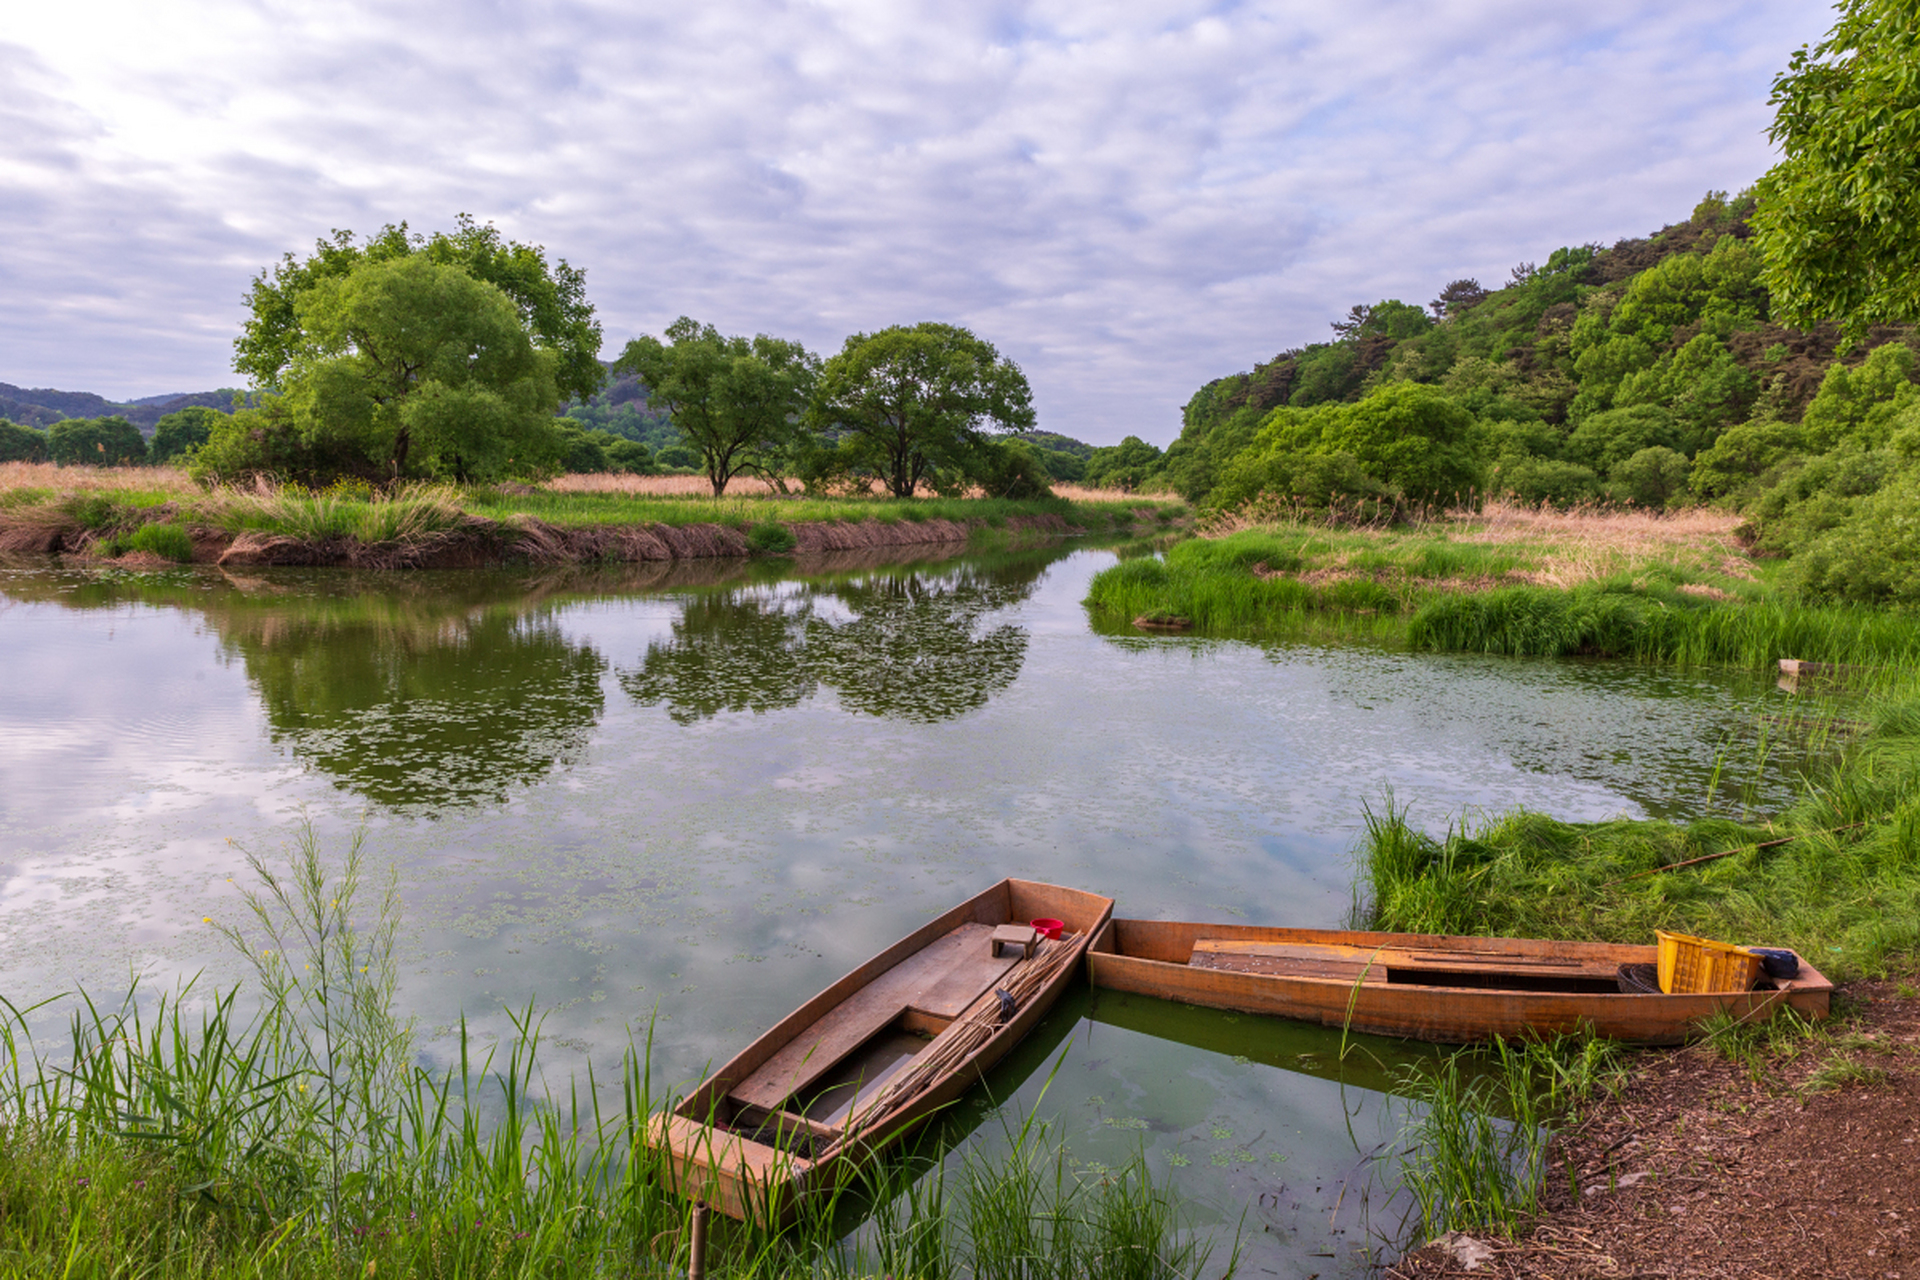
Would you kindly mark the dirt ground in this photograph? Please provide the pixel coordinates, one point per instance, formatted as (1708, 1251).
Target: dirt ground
(1798, 1164)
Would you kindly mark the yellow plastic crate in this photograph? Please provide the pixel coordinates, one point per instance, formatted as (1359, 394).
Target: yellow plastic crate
(1694, 966)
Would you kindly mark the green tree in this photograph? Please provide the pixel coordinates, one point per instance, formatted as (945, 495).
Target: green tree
(21, 444)
(100, 442)
(920, 402)
(1861, 404)
(550, 299)
(404, 367)
(1652, 477)
(181, 431)
(1839, 216)
(738, 401)
(1124, 466)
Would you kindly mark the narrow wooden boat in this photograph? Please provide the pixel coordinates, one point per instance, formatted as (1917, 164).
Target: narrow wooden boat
(876, 1053)
(1422, 986)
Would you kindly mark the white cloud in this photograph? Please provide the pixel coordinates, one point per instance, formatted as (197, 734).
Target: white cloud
(1128, 199)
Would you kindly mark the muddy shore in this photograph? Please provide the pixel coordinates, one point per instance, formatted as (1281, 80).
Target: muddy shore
(477, 542)
(1802, 1161)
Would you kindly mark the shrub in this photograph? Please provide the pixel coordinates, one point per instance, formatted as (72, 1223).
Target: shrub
(1545, 480)
(771, 538)
(169, 541)
(1871, 557)
(1652, 477)
(21, 444)
(180, 433)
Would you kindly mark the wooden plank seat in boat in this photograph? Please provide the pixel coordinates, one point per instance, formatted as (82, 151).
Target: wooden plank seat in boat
(1384, 964)
(939, 982)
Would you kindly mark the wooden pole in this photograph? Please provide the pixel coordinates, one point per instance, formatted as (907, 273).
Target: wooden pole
(697, 1247)
(1727, 853)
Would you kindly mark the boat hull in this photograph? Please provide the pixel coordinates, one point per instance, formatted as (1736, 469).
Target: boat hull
(1157, 958)
(712, 1160)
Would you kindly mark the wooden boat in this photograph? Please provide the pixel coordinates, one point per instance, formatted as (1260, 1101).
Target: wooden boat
(876, 1053)
(1422, 986)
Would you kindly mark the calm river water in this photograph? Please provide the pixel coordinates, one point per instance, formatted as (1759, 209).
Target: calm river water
(699, 793)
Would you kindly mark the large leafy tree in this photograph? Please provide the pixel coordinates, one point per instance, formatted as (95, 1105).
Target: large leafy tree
(403, 367)
(739, 401)
(1839, 215)
(920, 403)
(550, 298)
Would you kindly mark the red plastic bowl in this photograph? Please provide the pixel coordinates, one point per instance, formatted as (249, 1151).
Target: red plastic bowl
(1048, 928)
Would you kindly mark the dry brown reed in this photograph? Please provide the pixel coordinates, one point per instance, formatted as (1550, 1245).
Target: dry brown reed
(1585, 544)
(654, 486)
(742, 486)
(47, 475)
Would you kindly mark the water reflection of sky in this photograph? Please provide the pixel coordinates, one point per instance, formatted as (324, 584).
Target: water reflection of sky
(619, 798)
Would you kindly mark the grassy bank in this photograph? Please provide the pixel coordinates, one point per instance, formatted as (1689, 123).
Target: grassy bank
(304, 1141)
(1508, 581)
(1838, 878)
(111, 512)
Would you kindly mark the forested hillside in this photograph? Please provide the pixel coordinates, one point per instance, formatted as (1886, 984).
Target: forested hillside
(1647, 373)
(44, 406)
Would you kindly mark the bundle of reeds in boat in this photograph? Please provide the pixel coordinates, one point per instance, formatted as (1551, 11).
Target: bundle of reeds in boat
(971, 1030)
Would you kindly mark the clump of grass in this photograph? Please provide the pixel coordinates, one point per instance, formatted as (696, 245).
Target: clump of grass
(402, 515)
(1475, 1146)
(771, 538)
(169, 541)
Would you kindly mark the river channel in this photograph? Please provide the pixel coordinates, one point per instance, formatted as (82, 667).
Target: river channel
(697, 793)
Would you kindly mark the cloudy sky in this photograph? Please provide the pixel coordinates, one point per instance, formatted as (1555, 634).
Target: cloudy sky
(1128, 197)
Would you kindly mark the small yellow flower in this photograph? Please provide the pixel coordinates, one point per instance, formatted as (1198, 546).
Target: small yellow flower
(206, 919)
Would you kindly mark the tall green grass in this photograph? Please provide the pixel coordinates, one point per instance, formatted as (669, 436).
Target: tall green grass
(1474, 1150)
(1617, 620)
(179, 1137)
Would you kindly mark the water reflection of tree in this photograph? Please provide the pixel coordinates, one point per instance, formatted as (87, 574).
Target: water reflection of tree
(730, 651)
(427, 689)
(916, 646)
(454, 709)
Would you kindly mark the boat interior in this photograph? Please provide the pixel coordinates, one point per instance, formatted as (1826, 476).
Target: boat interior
(804, 1095)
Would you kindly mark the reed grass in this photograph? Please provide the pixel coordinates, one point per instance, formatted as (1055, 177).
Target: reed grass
(184, 1137)
(404, 514)
(1474, 1148)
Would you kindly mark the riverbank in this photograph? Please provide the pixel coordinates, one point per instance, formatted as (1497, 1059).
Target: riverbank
(1771, 1149)
(148, 517)
(1743, 1156)
(1678, 588)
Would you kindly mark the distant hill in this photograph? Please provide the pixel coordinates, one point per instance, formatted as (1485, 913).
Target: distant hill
(44, 406)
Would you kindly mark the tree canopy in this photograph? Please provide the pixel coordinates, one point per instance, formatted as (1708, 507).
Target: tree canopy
(550, 299)
(400, 367)
(738, 401)
(111, 441)
(182, 431)
(915, 404)
(1839, 215)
